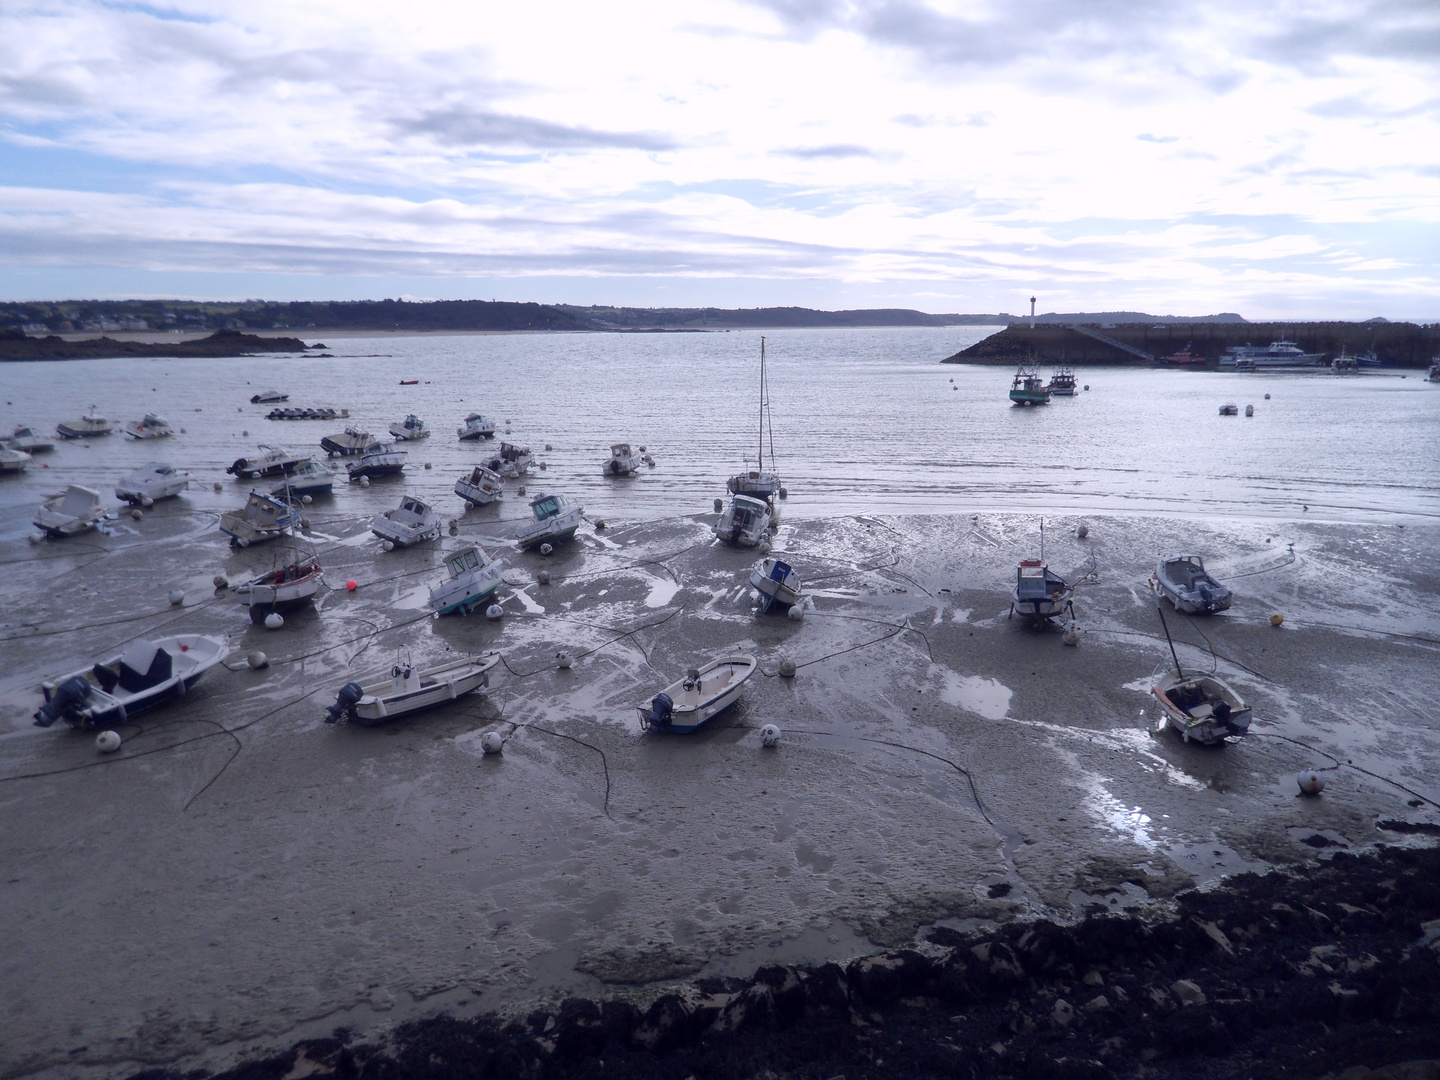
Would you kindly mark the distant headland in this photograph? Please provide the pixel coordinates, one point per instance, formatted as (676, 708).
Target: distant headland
(16, 345)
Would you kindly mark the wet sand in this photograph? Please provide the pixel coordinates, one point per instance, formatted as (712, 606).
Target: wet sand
(240, 876)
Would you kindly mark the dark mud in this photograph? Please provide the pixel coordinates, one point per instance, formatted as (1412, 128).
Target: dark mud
(1329, 967)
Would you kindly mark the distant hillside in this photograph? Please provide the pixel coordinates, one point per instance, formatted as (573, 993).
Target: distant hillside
(624, 318)
(15, 345)
(1120, 318)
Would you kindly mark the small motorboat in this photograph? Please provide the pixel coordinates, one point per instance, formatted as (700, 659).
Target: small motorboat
(262, 518)
(776, 582)
(476, 427)
(1432, 374)
(411, 429)
(555, 519)
(621, 461)
(146, 673)
(13, 461)
(1184, 581)
(1040, 595)
(151, 482)
(271, 461)
(283, 589)
(409, 382)
(1062, 382)
(1028, 388)
(1230, 409)
(474, 577)
(324, 412)
(348, 443)
(409, 523)
(410, 689)
(268, 397)
(686, 704)
(310, 478)
(92, 423)
(26, 439)
(744, 522)
(1201, 708)
(77, 510)
(481, 487)
(512, 461)
(379, 459)
(151, 427)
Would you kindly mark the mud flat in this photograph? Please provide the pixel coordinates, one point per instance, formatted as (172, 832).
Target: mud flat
(240, 877)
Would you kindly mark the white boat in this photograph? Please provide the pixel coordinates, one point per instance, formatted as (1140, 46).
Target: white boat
(1433, 375)
(13, 461)
(474, 577)
(555, 519)
(776, 582)
(410, 689)
(282, 589)
(92, 423)
(144, 674)
(687, 703)
(270, 461)
(476, 427)
(1230, 409)
(262, 518)
(744, 522)
(412, 428)
(150, 482)
(1062, 382)
(1278, 354)
(24, 438)
(77, 510)
(379, 459)
(346, 443)
(409, 523)
(481, 487)
(310, 478)
(268, 397)
(1184, 581)
(621, 461)
(1202, 708)
(151, 427)
(1039, 594)
(512, 461)
(760, 482)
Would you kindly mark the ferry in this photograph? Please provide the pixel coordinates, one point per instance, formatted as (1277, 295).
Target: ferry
(1278, 354)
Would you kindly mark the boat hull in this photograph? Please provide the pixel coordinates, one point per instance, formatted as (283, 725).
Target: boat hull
(1030, 397)
(80, 430)
(554, 535)
(403, 534)
(191, 656)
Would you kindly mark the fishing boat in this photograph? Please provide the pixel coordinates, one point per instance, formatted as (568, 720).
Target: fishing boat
(379, 459)
(409, 523)
(151, 482)
(621, 461)
(474, 577)
(77, 510)
(1039, 594)
(1182, 359)
(1345, 365)
(144, 674)
(481, 487)
(13, 461)
(270, 461)
(410, 689)
(324, 412)
(512, 461)
(92, 423)
(555, 519)
(262, 518)
(476, 427)
(268, 397)
(1184, 581)
(1062, 382)
(687, 703)
(776, 582)
(1028, 388)
(744, 522)
(1230, 409)
(760, 482)
(283, 588)
(1202, 708)
(309, 478)
(151, 427)
(26, 439)
(411, 429)
(348, 443)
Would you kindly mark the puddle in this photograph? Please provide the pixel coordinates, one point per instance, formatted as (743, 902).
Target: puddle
(985, 697)
(662, 592)
(1209, 861)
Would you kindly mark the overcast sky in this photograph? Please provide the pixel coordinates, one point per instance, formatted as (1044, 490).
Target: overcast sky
(1275, 159)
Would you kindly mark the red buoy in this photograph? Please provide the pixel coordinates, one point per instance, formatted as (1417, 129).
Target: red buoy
(351, 585)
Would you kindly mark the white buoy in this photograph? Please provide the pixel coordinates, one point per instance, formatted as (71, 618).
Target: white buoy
(136, 514)
(35, 538)
(454, 528)
(257, 660)
(177, 596)
(107, 742)
(796, 613)
(494, 611)
(147, 502)
(546, 549)
(364, 481)
(306, 500)
(520, 490)
(763, 548)
(274, 621)
(1072, 636)
(1082, 530)
(1311, 782)
(386, 545)
(543, 577)
(491, 742)
(599, 524)
(563, 660)
(219, 486)
(787, 668)
(769, 735)
(220, 581)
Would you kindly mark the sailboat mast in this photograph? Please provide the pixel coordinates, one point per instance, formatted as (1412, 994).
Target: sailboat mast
(760, 459)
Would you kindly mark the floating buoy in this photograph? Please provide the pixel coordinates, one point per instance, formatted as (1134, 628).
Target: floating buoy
(1267, 397)
(1082, 530)
(306, 500)
(35, 538)
(599, 524)
(769, 735)
(1249, 410)
(494, 611)
(787, 668)
(546, 549)
(547, 446)
(1311, 782)
(274, 621)
(1276, 619)
(784, 493)
(351, 585)
(257, 660)
(386, 545)
(719, 505)
(1087, 386)
(220, 581)
(454, 528)
(563, 660)
(136, 514)
(219, 486)
(763, 547)
(428, 465)
(1072, 636)
(520, 490)
(543, 577)
(177, 596)
(542, 466)
(491, 742)
(107, 742)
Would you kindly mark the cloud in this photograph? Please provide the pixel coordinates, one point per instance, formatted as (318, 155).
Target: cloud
(459, 126)
(835, 150)
(1147, 137)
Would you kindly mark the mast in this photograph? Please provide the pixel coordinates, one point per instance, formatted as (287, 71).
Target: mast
(760, 460)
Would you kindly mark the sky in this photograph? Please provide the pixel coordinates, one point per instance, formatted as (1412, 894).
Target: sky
(1277, 159)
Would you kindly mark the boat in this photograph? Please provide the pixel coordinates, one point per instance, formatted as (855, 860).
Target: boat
(1345, 365)
(92, 423)
(687, 703)
(1182, 359)
(26, 439)
(348, 443)
(268, 397)
(409, 523)
(476, 427)
(512, 461)
(1028, 388)
(410, 689)
(146, 673)
(379, 459)
(621, 461)
(1202, 708)
(308, 478)
(271, 461)
(411, 429)
(760, 482)
(77, 510)
(262, 518)
(1062, 382)
(150, 482)
(1039, 594)
(151, 427)
(744, 522)
(283, 588)
(776, 582)
(481, 487)
(1433, 374)
(555, 519)
(324, 412)
(1278, 354)
(409, 382)
(13, 461)
(474, 577)
(1184, 581)
(1230, 409)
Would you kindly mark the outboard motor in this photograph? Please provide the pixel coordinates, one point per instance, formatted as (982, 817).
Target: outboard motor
(661, 711)
(1206, 596)
(234, 469)
(1220, 712)
(345, 702)
(495, 464)
(66, 700)
(614, 467)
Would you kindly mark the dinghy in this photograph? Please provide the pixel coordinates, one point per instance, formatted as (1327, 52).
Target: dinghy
(474, 577)
(268, 397)
(776, 583)
(555, 519)
(262, 518)
(621, 461)
(310, 478)
(481, 487)
(283, 588)
(92, 423)
(476, 427)
(26, 440)
(13, 461)
(77, 510)
(512, 461)
(379, 459)
(151, 427)
(410, 689)
(744, 522)
(686, 704)
(150, 482)
(1039, 594)
(1184, 581)
(411, 429)
(1230, 409)
(409, 523)
(270, 461)
(347, 443)
(1202, 708)
(144, 674)
(760, 483)
(1028, 388)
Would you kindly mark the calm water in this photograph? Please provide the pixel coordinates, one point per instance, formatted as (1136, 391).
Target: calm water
(864, 420)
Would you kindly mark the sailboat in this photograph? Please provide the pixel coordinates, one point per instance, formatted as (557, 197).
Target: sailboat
(287, 585)
(759, 482)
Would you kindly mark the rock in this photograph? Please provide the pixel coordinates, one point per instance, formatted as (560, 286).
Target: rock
(1063, 1014)
(1096, 1004)
(1093, 978)
(827, 989)
(752, 1007)
(998, 968)
(666, 1026)
(579, 1029)
(1187, 992)
(880, 980)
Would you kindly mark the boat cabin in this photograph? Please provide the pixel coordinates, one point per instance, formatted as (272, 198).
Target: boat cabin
(548, 506)
(1034, 581)
(462, 562)
(748, 511)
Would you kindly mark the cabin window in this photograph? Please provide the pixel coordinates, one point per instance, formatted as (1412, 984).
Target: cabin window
(471, 561)
(545, 509)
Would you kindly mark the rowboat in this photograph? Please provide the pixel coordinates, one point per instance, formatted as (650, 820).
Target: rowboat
(410, 689)
(282, 589)
(1202, 708)
(1040, 594)
(687, 703)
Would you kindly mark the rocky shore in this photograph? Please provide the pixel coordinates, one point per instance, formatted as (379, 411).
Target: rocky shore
(16, 346)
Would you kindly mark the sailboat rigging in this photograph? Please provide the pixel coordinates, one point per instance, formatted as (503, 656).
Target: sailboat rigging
(760, 482)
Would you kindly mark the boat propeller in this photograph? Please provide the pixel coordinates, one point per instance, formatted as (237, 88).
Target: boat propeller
(345, 702)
